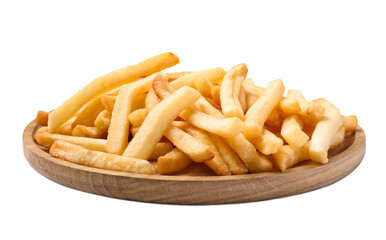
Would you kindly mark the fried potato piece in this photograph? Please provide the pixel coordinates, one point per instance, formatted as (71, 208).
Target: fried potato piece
(214, 75)
(288, 155)
(215, 92)
(134, 130)
(339, 137)
(243, 99)
(252, 92)
(267, 143)
(161, 149)
(103, 120)
(291, 131)
(107, 82)
(108, 101)
(204, 86)
(290, 106)
(80, 155)
(139, 102)
(230, 90)
(258, 113)
(173, 162)
(91, 132)
(89, 113)
(42, 118)
(350, 123)
(137, 117)
(176, 75)
(66, 128)
(151, 100)
(158, 120)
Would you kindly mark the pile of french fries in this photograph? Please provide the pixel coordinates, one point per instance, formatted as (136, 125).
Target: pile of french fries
(137, 114)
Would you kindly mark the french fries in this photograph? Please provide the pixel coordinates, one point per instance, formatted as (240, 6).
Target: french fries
(221, 119)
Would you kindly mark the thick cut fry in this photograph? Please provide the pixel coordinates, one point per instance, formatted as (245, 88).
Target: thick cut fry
(195, 149)
(89, 113)
(291, 131)
(243, 99)
(151, 100)
(66, 128)
(205, 106)
(290, 106)
(234, 163)
(274, 119)
(107, 82)
(216, 95)
(161, 149)
(252, 92)
(339, 137)
(91, 132)
(173, 162)
(117, 139)
(325, 131)
(157, 121)
(214, 75)
(267, 143)
(137, 117)
(350, 123)
(80, 155)
(230, 90)
(176, 75)
(287, 156)
(258, 113)
(108, 101)
(139, 102)
(103, 120)
(42, 118)
(204, 86)
(246, 151)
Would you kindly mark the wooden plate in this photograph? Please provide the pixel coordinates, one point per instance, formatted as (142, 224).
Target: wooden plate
(197, 185)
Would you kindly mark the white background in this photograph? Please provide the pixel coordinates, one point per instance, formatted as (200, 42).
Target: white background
(330, 49)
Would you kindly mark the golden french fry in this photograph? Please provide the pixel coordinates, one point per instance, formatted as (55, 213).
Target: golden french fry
(291, 131)
(267, 143)
(230, 90)
(339, 137)
(173, 162)
(315, 110)
(46, 139)
(194, 148)
(204, 86)
(274, 119)
(176, 75)
(216, 95)
(139, 102)
(214, 75)
(290, 106)
(258, 113)
(205, 106)
(234, 163)
(103, 120)
(252, 92)
(117, 138)
(325, 131)
(107, 82)
(137, 117)
(108, 101)
(66, 128)
(350, 123)
(80, 155)
(158, 120)
(151, 100)
(212, 102)
(287, 156)
(91, 132)
(243, 99)
(89, 113)
(161, 149)
(42, 118)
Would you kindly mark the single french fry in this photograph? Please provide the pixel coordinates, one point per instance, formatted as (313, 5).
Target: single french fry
(288, 155)
(350, 123)
(254, 161)
(214, 75)
(42, 118)
(217, 163)
(151, 100)
(107, 82)
(274, 119)
(204, 86)
(161, 149)
(234, 163)
(258, 113)
(339, 137)
(303, 103)
(66, 128)
(230, 90)
(291, 131)
(267, 143)
(215, 92)
(173, 162)
(46, 139)
(103, 120)
(158, 120)
(89, 113)
(325, 131)
(194, 148)
(117, 138)
(252, 92)
(137, 117)
(176, 75)
(243, 99)
(290, 106)
(139, 102)
(205, 106)
(80, 155)
(86, 131)
(315, 110)
(108, 101)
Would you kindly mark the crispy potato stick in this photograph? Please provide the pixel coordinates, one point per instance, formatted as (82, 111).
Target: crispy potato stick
(217, 163)
(234, 163)
(215, 92)
(151, 100)
(137, 117)
(350, 123)
(205, 106)
(42, 118)
(204, 86)
(212, 102)
(298, 96)
(214, 75)
(89, 113)
(315, 110)
(230, 90)
(243, 99)
(274, 119)
(91, 132)
(158, 120)
(66, 128)
(289, 106)
(161, 149)
(108, 101)
(195, 149)
(258, 113)
(267, 143)
(176, 75)
(117, 139)
(339, 137)
(139, 102)
(107, 82)
(325, 131)
(287, 156)
(291, 131)
(252, 92)
(173, 162)
(254, 161)
(103, 120)
(80, 155)
(46, 139)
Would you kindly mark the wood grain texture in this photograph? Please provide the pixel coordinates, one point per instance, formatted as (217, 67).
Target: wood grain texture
(189, 187)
